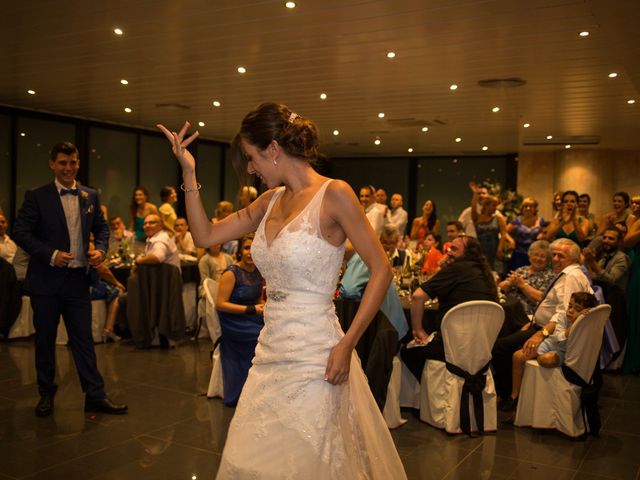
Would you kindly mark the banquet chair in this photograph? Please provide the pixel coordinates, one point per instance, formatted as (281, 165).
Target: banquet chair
(23, 326)
(216, 388)
(547, 398)
(447, 399)
(98, 319)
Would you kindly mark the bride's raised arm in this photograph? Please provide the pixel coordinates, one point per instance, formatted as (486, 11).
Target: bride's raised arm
(203, 231)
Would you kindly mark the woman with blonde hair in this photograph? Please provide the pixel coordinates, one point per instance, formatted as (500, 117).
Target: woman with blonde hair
(525, 229)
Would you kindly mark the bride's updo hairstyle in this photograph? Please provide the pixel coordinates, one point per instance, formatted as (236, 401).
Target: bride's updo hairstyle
(271, 121)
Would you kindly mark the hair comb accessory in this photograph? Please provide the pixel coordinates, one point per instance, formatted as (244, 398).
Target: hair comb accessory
(293, 116)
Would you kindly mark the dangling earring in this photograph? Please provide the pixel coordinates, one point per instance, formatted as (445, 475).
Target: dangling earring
(274, 162)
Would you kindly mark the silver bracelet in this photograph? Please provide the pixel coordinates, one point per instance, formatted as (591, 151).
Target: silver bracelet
(187, 190)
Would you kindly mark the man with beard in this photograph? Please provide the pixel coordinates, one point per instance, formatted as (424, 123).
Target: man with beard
(465, 276)
(612, 266)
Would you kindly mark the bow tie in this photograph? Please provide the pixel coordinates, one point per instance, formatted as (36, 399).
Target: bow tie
(72, 191)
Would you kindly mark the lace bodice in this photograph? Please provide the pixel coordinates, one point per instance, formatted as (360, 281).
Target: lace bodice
(299, 259)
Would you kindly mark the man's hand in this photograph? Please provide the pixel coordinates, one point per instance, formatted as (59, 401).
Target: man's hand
(420, 336)
(95, 257)
(62, 259)
(531, 345)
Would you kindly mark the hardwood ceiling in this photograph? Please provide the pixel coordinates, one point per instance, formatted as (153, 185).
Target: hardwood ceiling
(180, 56)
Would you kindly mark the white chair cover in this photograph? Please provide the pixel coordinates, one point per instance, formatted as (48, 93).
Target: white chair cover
(469, 331)
(391, 412)
(98, 319)
(216, 386)
(23, 326)
(212, 321)
(409, 388)
(547, 399)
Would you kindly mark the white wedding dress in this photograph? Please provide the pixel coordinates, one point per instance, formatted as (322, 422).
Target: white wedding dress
(289, 422)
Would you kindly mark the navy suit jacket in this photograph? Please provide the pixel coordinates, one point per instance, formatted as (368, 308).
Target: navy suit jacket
(41, 228)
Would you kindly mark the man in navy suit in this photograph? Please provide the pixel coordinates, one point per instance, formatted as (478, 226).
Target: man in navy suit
(53, 227)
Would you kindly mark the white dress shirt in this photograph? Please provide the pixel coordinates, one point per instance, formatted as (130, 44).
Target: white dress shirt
(554, 305)
(375, 214)
(163, 248)
(71, 207)
(8, 248)
(398, 219)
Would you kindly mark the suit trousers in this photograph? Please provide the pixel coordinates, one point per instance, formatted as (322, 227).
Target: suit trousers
(502, 353)
(72, 301)
(415, 358)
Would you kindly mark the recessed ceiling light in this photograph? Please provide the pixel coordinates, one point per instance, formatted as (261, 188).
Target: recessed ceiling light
(584, 34)
(631, 101)
(118, 31)
(567, 146)
(613, 75)
(323, 96)
(526, 125)
(201, 124)
(127, 109)
(290, 4)
(458, 140)
(22, 134)
(381, 115)
(410, 150)
(336, 132)
(377, 141)
(216, 103)
(549, 137)
(485, 148)
(124, 82)
(31, 92)
(242, 70)
(495, 109)
(391, 54)
(425, 129)
(453, 87)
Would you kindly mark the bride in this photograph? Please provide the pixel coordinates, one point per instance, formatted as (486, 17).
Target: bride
(306, 409)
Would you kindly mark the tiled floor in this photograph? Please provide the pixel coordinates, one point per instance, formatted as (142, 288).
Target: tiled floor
(174, 432)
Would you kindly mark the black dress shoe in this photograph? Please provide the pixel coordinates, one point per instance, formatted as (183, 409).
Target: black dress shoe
(45, 406)
(509, 405)
(105, 406)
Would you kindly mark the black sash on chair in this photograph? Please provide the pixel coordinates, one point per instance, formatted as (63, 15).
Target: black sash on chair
(588, 397)
(474, 385)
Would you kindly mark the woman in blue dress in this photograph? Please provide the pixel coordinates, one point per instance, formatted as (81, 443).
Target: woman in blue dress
(525, 229)
(240, 307)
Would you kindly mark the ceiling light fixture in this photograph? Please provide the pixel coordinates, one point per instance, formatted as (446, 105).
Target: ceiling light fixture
(526, 125)
(323, 96)
(453, 87)
(631, 101)
(381, 115)
(485, 148)
(391, 54)
(567, 146)
(584, 34)
(336, 132)
(495, 109)
(201, 124)
(124, 82)
(127, 109)
(549, 137)
(290, 4)
(242, 70)
(31, 92)
(613, 75)
(410, 150)
(458, 140)
(425, 129)
(377, 141)
(118, 31)
(216, 103)
(22, 134)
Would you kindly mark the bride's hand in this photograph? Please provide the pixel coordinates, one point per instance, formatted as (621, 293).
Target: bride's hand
(179, 145)
(337, 371)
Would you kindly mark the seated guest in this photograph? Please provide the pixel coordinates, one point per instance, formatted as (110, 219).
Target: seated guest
(355, 279)
(529, 282)
(454, 230)
(611, 265)
(524, 229)
(584, 203)
(223, 210)
(167, 213)
(552, 350)
(620, 212)
(399, 257)
(140, 207)
(159, 248)
(8, 248)
(119, 237)
(397, 216)
(213, 263)
(568, 223)
(240, 308)
(491, 229)
(432, 256)
(569, 278)
(465, 276)
(375, 213)
(246, 196)
(426, 223)
(183, 238)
